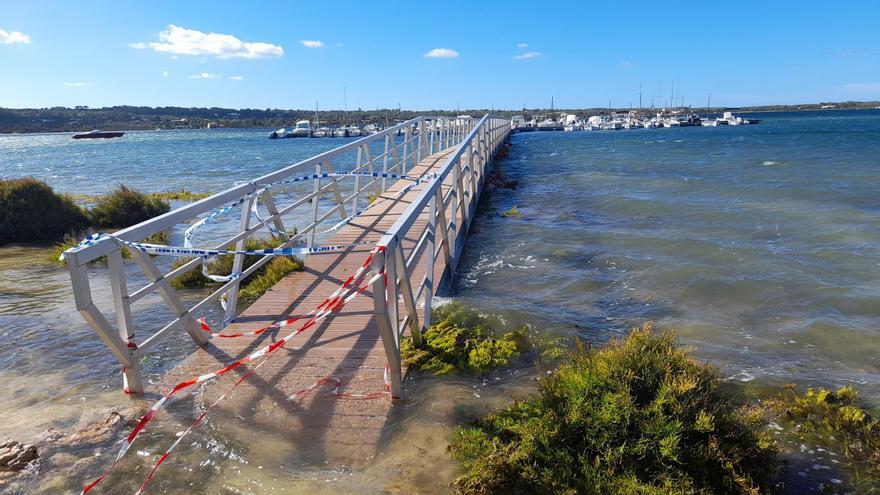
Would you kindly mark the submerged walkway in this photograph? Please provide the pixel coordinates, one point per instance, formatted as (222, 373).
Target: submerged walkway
(346, 346)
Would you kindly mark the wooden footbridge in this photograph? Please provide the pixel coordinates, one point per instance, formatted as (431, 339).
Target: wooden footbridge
(400, 200)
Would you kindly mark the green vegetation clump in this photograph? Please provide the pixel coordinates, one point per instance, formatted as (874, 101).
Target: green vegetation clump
(179, 195)
(639, 416)
(70, 241)
(460, 339)
(511, 213)
(252, 287)
(30, 211)
(125, 207)
(837, 420)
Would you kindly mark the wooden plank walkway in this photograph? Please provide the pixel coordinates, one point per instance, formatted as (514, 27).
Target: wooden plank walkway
(319, 427)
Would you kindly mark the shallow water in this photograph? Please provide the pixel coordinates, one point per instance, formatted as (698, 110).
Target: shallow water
(759, 244)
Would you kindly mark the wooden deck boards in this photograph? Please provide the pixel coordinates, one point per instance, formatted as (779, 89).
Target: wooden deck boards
(346, 346)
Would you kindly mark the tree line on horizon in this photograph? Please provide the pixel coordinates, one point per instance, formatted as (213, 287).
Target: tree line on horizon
(126, 117)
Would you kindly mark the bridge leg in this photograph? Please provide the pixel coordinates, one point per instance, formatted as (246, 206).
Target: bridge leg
(389, 340)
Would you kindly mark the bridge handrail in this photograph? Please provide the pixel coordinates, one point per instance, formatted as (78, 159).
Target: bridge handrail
(422, 136)
(468, 166)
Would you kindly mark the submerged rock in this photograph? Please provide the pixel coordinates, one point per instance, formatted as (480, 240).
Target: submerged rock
(15, 456)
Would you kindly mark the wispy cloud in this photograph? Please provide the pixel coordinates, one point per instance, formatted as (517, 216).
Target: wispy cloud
(625, 65)
(527, 55)
(204, 75)
(165, 73)
(181, 41)
(138, 46)
(442, 53)
(236, 78)
(10, 37)
(77, 84)
(312, 43)
(522, 45)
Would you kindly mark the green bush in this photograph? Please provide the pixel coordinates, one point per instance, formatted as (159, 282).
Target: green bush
(125, 207)
(30, 211)
(460, 339)
(258, 284)
(639, 416)
(837, 420)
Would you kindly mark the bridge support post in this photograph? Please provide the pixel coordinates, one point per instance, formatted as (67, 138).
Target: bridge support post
(390, 341)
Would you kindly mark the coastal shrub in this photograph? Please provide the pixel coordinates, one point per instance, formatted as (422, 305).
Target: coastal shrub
(639, 416)
(30, 211)
(460, 339)
(125, 207)
(179, 195)
(837, 420)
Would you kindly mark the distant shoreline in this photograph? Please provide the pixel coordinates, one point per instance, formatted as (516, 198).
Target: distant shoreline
(83, 119)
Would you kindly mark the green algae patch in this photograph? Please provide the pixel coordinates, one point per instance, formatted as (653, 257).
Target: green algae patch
(639, 416)
(125, 207)
(31, 211)
(513, 212)
(179, 195)
(838, 421)
(462, 340)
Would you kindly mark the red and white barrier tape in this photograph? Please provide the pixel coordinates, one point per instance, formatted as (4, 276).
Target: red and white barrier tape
(345, 293)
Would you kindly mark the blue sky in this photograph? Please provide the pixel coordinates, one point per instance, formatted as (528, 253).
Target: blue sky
(249, 54)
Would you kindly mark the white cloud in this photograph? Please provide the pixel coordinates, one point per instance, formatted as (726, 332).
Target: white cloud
(522, 45)
(527, 55)
(10, 37)
(312, 43)
(625, 65)
(442, 53)
(165, 73)
(77, 84)
(204, 75)
(236, 78)
(181, 41)
(138, 46)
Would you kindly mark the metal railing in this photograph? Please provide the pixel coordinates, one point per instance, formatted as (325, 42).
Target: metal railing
(402, 147)
(462, 178)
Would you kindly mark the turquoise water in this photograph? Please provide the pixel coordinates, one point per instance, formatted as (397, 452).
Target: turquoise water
(759, 244)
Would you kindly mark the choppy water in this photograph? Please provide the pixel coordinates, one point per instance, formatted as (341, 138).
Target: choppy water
(760, 244)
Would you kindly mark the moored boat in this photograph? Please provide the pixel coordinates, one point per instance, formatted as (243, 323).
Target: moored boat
(96, 134)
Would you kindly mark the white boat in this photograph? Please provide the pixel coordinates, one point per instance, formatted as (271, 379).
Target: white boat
(354, 131)
(709, 123)
(303, 129)
(572, 127)
(321, 132)
(340, 132)
(279, 134)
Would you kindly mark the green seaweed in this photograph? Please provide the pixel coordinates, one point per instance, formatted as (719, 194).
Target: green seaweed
(513, 212)
(840, 422)
(639, 416)
(460, 339)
